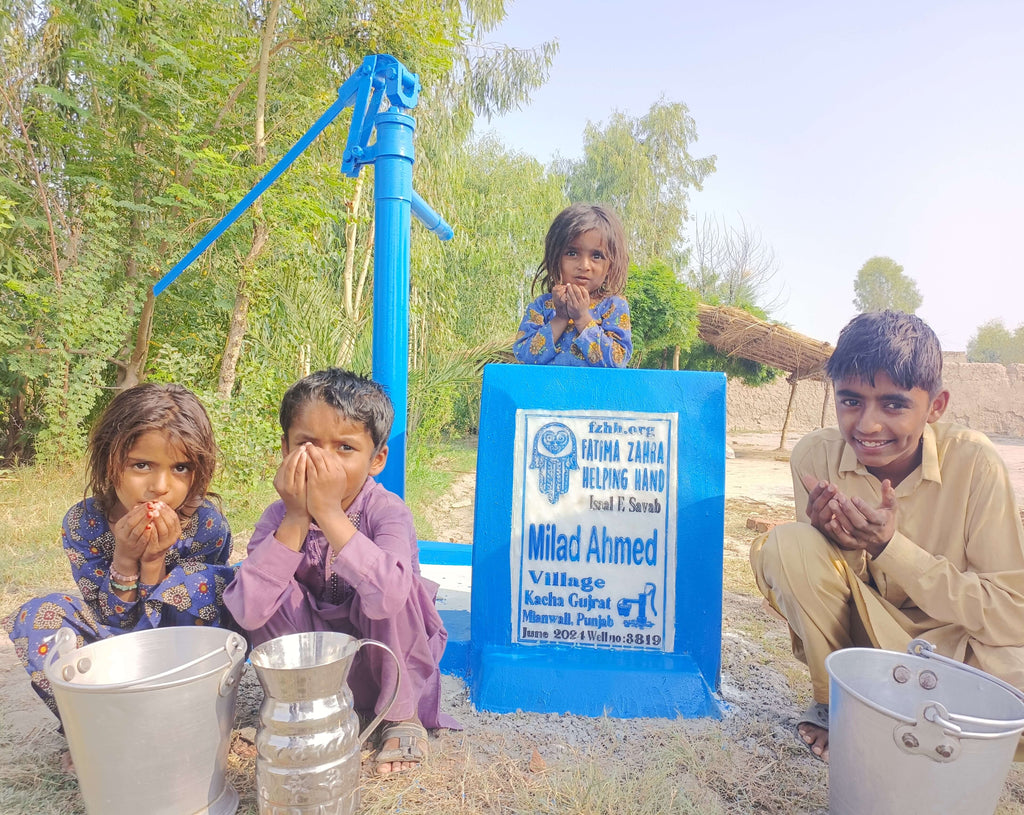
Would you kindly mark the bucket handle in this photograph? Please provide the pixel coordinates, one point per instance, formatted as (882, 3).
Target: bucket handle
(923, 648)
(235, 647)
(63, 640)
(394, 694)
(932, 736)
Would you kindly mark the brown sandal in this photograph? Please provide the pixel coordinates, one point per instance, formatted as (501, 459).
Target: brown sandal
(412, 738)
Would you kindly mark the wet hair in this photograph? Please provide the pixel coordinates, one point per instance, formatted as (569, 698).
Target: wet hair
(169, 409)
(568, 225)
(900, 344)
(357, 398)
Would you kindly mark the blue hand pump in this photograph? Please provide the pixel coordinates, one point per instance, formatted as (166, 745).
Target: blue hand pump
(394, 199)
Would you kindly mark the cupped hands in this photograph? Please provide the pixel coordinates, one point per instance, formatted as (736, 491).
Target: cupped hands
(326, 482)
(851, 523)
(575, 301)
(142, 537)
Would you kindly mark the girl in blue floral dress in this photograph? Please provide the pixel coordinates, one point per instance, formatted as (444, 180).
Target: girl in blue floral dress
(582, 319)
(148, 549)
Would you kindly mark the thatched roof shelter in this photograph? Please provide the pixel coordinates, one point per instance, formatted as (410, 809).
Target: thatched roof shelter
(734, 332)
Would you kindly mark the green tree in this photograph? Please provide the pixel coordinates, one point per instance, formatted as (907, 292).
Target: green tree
(332, 281)
(881, 284)
(703, 357)
(438, 41)
(643, 168)
(993, 342)
(469, 293)
(663, 313)
(479, 282)
(94, 101)
(130, 128)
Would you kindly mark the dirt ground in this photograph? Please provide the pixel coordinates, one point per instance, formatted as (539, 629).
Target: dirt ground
(762, 686)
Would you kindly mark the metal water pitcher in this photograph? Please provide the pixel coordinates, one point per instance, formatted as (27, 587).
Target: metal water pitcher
(308, 740)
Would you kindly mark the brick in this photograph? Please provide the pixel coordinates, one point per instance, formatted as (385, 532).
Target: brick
(759, 524)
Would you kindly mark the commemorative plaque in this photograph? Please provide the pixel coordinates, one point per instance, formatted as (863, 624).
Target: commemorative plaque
(597, 542)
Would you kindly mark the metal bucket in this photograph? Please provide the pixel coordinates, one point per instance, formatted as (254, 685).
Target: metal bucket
(917, 733)
(148, 718)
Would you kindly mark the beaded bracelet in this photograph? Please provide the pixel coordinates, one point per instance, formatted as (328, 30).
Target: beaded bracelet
(122, 578)
(124, 587)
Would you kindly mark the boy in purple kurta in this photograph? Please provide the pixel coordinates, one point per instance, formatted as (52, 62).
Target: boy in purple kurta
(338, 552)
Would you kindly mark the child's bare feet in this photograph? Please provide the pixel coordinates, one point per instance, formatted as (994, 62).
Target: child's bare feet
(403, 747)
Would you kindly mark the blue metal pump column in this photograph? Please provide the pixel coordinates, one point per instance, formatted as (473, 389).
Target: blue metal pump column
(392, 195)
(378, 77)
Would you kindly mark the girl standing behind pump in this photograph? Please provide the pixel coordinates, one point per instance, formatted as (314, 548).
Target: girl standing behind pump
(582, 318)
(148, 549)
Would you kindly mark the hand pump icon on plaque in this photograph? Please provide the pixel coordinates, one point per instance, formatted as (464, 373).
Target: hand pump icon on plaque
(641, 601)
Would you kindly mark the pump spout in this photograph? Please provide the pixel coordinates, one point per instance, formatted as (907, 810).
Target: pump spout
(426, 215)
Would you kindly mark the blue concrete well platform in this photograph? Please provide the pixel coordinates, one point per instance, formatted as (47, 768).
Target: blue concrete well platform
(673, 686)
(450, 565)
(596, 579)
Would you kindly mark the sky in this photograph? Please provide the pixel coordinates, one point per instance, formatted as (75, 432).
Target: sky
(841, 131)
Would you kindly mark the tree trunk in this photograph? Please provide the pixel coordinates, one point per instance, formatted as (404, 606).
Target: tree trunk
(361, 284)
(131, 374)
(355, 316)
(351, 233)
(789, 412)
(260, 230)
(675, 358)
(240, 312)
(233, 344)
(14, 443)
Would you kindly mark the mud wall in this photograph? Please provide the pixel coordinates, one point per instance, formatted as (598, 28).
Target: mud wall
(984, 396)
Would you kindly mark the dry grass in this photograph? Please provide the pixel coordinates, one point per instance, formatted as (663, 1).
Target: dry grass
(749, 762)
(737, 333)
(681, 770)
(1012, 802)
(33, 501)
(31, 766)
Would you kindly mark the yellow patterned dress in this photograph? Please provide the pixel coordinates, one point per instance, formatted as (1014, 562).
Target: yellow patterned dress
(605, 342)
(191, 594)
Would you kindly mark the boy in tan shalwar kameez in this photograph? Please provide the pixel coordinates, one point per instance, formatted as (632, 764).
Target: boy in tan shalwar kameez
(907, 526)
